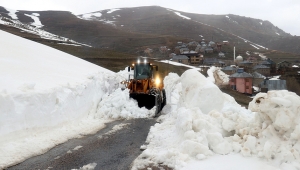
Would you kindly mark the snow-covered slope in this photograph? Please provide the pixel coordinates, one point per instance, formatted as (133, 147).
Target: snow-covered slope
(48, 97)
(34, 28)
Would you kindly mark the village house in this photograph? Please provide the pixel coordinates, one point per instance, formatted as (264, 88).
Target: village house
(193, 44)
(221, 63)
(271, 64)
(284, 66)
(181, 59)
(253, 60)
(229, 62)
(209, 50)
(163, 49)
(262, 69)
(203, 43)
(257, 78)
(202, 50)
(225, 42)
(183, 50)
(229, 70)
(197, 49)
(221, 54)
(212, 44)
(148, 51)
(171, 55)
(248, 66)
(268, 85)
(194, 57)
(211, 62)
(241, 81)
(219, 47)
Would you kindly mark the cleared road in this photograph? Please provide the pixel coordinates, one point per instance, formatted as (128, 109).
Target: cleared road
(114, 151)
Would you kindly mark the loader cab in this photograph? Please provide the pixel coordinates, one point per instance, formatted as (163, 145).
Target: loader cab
(142, 71)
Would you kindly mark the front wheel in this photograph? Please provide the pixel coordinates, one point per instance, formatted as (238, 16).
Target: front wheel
(164, 98)
(158, 105)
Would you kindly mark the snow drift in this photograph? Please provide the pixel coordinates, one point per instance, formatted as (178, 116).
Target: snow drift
(203, 122)
(48, 97)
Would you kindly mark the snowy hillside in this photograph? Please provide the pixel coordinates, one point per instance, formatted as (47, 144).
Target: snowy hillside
(34, 27)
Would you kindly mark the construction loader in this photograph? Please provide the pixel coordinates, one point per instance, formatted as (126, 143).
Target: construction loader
(146, 89)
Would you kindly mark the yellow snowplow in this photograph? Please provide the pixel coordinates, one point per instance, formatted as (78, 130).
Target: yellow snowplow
(146, 89)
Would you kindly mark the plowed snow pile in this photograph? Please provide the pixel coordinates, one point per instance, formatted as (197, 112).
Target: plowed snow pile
(203, 123)
(48, 97)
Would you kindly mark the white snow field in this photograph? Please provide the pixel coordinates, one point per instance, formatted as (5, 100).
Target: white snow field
(203, 128)
(48, 97)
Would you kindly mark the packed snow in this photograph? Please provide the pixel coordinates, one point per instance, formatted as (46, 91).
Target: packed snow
(201, 126)
(90, 166)
(69, 44)
(48, 97)
(36, 20)
(254, 46)
(97, 14)
(179, 64)
(112, 10)
(185, 17)
(12, 13)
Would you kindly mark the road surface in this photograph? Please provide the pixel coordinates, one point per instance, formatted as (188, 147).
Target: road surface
(115, 151)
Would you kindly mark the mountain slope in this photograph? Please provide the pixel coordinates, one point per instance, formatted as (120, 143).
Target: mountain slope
(132, 30)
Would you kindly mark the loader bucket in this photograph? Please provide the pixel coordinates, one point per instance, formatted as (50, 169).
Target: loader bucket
(144, 100)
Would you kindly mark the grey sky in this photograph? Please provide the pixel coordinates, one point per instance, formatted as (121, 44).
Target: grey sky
(284, 14)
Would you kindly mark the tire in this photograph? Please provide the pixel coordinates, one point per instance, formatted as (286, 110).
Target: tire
(158, 105)
(164, 98)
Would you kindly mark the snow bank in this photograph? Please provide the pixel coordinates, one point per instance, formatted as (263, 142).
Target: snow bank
(217, 76)
(278, 124)
(202, 122)
(48, 97)
(118, 105)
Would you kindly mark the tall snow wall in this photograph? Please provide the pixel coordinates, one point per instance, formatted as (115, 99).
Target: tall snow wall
(43, 89)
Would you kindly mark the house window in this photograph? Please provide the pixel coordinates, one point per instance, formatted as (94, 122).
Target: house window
(247, 80)
(247, 87)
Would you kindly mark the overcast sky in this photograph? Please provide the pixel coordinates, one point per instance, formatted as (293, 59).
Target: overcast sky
(284, 14)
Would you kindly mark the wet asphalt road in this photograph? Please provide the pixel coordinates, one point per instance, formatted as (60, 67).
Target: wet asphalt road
(110, 151)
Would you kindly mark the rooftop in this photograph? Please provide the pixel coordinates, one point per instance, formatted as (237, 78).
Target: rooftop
(228, 68)
(180, 57)
(257, 75)
(259, 66)
(241, 75)
(274, 84)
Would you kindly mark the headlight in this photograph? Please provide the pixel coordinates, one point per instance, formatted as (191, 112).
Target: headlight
(157, 81)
